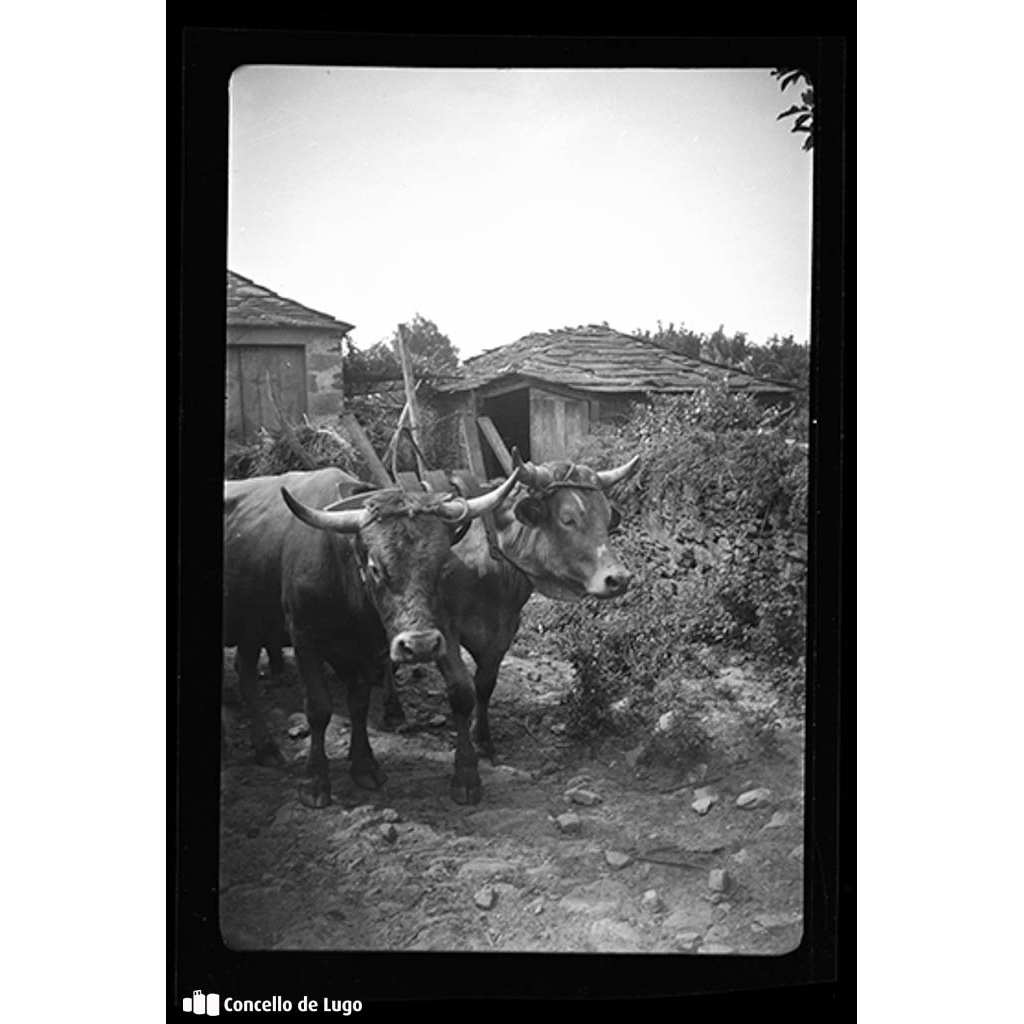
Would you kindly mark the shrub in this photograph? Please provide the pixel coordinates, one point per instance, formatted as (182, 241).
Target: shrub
(713, 532)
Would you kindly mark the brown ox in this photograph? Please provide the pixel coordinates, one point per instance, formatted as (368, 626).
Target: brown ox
(361, 589)
(550, 534)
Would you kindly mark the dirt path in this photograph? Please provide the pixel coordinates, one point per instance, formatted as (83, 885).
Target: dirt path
(404, 867)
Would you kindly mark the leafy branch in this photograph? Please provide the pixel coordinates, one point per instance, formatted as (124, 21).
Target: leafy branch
(802, 112)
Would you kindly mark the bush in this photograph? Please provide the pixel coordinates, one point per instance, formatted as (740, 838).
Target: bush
(714, 534)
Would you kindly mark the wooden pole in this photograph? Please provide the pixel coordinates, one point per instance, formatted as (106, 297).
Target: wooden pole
(341, 375)
(395, 438)
(358, 437)
(471, 443)
(490, 431)
(410, 397)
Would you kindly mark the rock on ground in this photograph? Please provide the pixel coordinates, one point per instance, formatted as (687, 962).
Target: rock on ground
(569, 823)
(754, 798)
(718, 880)
(614, 936)
(485, 898)
(650, 902)
(617, 859)
(488, 868)
(584, 797)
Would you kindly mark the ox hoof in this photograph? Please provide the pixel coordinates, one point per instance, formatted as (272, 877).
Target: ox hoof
(367, 774)
(268, 755)
(315, 793)
(463, 794)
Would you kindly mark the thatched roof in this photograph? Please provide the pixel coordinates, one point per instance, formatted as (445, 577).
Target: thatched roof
(252, 305)
(598, 358)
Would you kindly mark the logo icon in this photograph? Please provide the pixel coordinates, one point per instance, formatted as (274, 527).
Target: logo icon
(198, 1003)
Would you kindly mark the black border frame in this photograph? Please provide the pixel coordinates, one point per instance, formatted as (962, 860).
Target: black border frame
(197, 957)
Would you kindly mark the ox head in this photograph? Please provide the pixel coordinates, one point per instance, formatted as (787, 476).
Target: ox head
(402, 541)
(565, 548)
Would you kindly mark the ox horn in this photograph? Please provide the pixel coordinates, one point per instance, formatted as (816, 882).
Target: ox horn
(527, 470)
(606, 478)
(535, 477)
(349, 520)
(472, 508)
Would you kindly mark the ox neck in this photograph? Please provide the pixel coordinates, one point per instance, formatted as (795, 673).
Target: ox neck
(502, 548)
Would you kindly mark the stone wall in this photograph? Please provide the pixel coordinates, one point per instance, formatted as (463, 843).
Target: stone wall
(323, 366)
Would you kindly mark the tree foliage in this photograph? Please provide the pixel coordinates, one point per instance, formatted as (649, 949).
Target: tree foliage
(781, 359)
(802, 112)
(432, 353)
(375, 395)
(366, 367)
(680, 340)
(778, 359)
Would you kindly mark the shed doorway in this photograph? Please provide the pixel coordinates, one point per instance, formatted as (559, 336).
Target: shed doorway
(510, 413)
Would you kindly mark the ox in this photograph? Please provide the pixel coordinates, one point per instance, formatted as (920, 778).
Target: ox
(361, 589)
(550, 534)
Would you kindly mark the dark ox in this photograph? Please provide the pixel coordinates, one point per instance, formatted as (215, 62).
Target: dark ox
(359, 590)
(550, 534)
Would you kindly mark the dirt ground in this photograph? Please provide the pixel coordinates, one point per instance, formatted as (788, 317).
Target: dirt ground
(404, 867)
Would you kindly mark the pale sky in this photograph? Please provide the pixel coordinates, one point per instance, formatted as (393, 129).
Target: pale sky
(500, 203)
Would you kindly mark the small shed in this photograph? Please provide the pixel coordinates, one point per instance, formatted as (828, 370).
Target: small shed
(543, 392)
(278, 350)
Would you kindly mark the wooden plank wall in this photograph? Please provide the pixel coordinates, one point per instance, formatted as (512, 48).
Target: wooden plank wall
(558, 425)
(248, 405)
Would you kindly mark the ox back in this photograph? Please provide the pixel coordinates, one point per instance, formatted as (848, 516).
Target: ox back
(274, 564)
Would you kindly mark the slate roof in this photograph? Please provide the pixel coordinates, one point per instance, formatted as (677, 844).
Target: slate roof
(598, 358)
(252, 305)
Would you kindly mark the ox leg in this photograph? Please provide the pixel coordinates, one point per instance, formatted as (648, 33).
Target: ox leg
(363, 767)
(266, 749)
(316, 787)
(394, 713)
(465, 786)
(484, 680)
(276, 658)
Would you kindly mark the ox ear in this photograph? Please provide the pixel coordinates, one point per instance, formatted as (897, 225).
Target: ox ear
(529, 510)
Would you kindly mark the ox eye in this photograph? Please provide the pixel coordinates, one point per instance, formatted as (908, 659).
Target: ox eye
(375, 572)
(567, 519)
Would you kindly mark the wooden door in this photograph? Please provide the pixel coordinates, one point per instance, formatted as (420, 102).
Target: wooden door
(249, 403)
(557, 425)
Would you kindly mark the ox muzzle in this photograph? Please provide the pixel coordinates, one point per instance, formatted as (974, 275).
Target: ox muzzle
(610, 582)
(412, 646)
